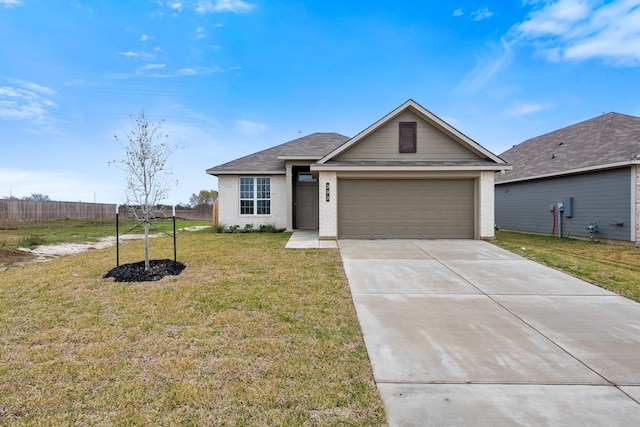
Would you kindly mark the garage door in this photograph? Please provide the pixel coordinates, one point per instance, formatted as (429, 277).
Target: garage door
(400, 209)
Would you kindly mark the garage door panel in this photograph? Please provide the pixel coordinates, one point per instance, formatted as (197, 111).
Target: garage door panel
(406, 208)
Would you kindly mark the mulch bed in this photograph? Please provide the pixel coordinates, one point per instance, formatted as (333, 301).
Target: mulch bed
(135, 272)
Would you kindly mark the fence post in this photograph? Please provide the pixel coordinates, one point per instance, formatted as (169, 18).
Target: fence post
(215, 214)
(117, 239)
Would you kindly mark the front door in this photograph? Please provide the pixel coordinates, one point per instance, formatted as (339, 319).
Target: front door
(306, 203)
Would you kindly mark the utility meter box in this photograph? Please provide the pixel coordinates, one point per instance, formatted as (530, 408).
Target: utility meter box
(568, 207)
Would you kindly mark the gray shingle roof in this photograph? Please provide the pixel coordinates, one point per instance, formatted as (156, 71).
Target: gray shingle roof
(604, 140)
(314, 146)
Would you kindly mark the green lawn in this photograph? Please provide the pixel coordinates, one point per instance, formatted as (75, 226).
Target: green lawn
(613, 267)
(248, 334)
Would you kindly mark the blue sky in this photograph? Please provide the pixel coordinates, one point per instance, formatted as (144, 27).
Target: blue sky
(231, 77)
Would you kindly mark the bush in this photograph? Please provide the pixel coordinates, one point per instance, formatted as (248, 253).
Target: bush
(248, 228)
(268, 228)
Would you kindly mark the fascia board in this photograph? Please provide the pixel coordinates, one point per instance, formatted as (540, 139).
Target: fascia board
(573, 171)
(333, 168)
(216, 173)
(299, 157)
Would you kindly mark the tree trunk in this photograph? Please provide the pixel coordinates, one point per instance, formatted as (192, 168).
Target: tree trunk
(147, 266)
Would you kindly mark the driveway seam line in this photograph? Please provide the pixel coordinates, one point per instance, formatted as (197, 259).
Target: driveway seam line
(518, 317)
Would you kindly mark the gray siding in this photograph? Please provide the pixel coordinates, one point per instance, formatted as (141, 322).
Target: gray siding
(432, 144)
(603, 198)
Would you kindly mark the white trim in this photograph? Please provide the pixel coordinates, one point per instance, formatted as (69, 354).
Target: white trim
(299, 157)
(573, 171)
(255, 198)
(634, 209)
(251, 173)
(289, 192)
(325, 167)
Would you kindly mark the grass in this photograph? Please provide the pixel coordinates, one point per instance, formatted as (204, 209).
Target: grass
(248, 334)
(30, 241)
(610, 266)
(23, 234)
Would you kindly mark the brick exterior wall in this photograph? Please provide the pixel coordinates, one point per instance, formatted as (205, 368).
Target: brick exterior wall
(637, 204)
(328, 211)
(487, 214)
(229, 196)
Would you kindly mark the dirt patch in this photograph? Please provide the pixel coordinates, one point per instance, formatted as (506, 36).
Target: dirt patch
(135, 272)
(24, 256)
(11, 257)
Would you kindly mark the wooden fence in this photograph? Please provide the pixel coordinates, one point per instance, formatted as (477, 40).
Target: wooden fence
(199, 212)
(22, 210)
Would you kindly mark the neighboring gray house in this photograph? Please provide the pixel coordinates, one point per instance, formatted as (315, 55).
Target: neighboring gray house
(592, 168)
(408, 175)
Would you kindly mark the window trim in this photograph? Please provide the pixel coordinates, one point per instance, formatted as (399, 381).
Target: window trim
(405, 146)
(255, 195)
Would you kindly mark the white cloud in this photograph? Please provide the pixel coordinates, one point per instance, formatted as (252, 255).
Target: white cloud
(176, 5)
(129, 54)
(145, 37)
(481, 14)
(585, 29)
(234, 6)
(27, 103)
(250, 128)
(34, 87)
(199, 70)
(486, 67)
(187, 72)
(153, 66)
(458, 12)
(10, 3)
(524, 109)
(132, 54)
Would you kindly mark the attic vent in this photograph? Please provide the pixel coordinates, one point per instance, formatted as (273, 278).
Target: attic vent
(408, 137)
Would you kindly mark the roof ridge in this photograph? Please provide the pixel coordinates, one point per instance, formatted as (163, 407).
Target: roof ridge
(607, 129)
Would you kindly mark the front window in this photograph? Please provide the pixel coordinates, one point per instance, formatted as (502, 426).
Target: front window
(255, 196)
(306, 177)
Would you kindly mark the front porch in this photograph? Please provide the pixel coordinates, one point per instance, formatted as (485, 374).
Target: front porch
(308, 239)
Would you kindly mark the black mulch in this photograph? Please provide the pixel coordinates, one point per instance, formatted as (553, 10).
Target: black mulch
(135, 272)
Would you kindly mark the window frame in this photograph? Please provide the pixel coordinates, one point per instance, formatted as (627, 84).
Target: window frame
(255, 196)
(408, 141)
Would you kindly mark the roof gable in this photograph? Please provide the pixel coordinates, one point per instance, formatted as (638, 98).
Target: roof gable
(439, 142)
(605, 141)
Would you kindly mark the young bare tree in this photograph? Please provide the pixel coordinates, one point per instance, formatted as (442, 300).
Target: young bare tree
(148, 174)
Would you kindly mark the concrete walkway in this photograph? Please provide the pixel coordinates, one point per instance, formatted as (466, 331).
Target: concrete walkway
(465, 333)
(308, 239)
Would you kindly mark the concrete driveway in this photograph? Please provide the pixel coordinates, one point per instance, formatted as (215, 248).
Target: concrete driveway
(461, 332)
